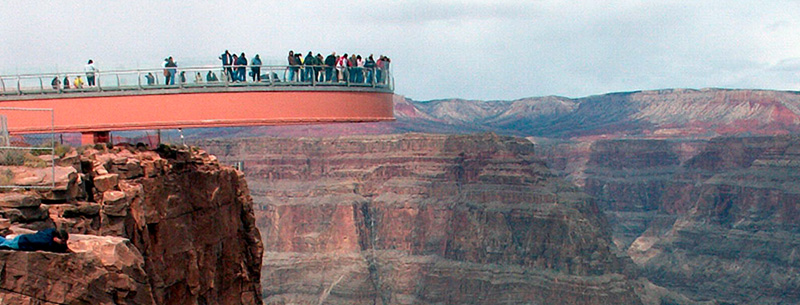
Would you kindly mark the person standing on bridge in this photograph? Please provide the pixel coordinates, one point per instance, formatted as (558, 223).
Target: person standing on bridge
(330, 62)
(171, 71)
(370, 66)
(90, 70)
(255, 68)
(241, 69)
(318, 73)
(227, 61)
(341, 67)
(294, 61)
(309, 62)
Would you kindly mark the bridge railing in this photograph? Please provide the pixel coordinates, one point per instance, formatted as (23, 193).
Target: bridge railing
(194, 77)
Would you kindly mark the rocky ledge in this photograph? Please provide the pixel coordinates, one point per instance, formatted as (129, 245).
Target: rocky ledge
(169, 226)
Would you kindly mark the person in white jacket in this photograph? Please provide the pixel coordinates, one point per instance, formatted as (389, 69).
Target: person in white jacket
(90, 70)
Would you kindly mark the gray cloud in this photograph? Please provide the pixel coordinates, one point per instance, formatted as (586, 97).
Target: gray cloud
(421, 12)
(440, 49)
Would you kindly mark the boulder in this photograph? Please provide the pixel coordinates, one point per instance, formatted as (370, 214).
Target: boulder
(49, 159)
(115, 203)
(26, 215)
(87, 209)
(106, 182)
(18, 200)
(103, 270)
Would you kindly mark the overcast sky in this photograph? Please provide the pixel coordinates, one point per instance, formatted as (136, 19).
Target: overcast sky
(488, 50)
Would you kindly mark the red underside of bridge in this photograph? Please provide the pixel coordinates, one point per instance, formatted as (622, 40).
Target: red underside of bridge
(99, 113)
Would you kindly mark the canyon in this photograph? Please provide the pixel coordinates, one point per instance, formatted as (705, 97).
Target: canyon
(675, 196)
(694, 189)
(425, 219)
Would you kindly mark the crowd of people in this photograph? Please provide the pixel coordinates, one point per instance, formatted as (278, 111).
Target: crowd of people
(311, 68)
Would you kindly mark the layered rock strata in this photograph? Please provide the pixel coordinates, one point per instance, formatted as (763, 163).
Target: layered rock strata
(738, 241)
(424, 219)
(183, 223)
(707, 220)
(629, 179)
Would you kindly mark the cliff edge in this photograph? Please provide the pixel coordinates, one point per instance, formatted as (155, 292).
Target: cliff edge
(169, 226)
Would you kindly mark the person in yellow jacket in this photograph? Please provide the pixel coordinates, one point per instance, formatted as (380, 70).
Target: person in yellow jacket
(78, 83)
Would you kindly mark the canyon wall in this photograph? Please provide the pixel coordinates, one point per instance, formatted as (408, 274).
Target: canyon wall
(424, 219)
(712, 220)
(148, 227)
(738, 240)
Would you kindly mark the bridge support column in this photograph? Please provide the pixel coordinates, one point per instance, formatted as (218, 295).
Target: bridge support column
(94, 137)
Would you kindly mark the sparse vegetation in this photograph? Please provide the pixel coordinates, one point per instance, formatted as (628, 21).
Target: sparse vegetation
(6, 177)
(34, 161)
(12, 157)
(59, 150)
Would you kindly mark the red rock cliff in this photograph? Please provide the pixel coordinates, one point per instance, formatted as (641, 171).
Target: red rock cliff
(424, 219)
(167, 227)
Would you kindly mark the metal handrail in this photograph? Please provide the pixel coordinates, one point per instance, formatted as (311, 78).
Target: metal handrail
(186, 77)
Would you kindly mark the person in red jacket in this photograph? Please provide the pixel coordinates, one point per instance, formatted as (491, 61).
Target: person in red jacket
(50, 240)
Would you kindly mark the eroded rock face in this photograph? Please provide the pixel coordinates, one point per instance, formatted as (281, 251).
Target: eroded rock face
(187, 223)
(709, 221)
(424, 219)
(739, 241)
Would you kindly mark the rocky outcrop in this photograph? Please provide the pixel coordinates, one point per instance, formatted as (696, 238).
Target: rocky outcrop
(424, 219)
(102, 270)
(182, 226)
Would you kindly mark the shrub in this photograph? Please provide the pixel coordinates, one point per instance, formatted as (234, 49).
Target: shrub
(12, 157)
(6, 177)
(34, 161)
(59, 150)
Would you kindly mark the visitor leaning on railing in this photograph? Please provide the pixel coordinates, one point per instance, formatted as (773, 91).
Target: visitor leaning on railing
(318, 74)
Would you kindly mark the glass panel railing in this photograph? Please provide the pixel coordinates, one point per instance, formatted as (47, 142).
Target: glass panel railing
(193, 77)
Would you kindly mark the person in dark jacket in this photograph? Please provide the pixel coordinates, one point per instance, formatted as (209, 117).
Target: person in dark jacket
(241, 67)
(319, 61)
(370, 66)
(50, 240)
(292, 70)
(310, 61)
(56, 83)
(330, 63)
(255, 68)
(171, 71)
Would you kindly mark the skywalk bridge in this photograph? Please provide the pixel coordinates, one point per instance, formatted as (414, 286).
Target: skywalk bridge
(131, 100)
